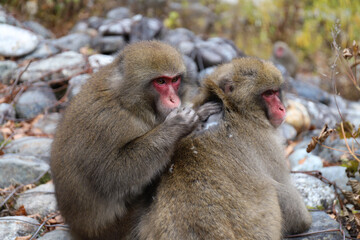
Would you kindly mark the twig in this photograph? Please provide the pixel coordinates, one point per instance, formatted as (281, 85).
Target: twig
(41, 225)
(18, 78)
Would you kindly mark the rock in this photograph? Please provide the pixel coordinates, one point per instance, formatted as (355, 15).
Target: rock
(330, 155)
(144, 28)
(7, 18)
(300, 160)
(319, 113)
(288, 131)
(7, 112)
(109, 44)
(61, 65)
(56, 235)
(191, 70)
(38, 29)
(98, 60)
(16, 42)
(214, 51)
(316, 194)
(40, 200)
(7, 70)
(181, 38)
(34, 101)
(47, 124)
(205, 72)
(297, 116)
(76, 83)
(119, 27)
(119, 13)
(44, 49)
(321, 222)
(73, 41)
(30, 146)
(17, 226)
(336, 174)
(80, 27)
(310, 91)
(95, 22)
(18, 169)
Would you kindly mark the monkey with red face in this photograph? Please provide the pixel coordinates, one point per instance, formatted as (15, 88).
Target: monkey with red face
(116, 138)
(230, 180)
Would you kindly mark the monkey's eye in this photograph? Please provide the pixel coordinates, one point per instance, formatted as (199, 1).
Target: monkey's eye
(175, 79)
(160, 81)
(268, 93)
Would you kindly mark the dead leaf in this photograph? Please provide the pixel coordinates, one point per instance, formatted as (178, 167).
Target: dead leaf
(325, 132)
(302, 161)
(21, 211)
(23, 238)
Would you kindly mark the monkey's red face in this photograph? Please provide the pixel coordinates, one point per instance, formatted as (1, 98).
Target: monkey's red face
(279, 52)
(275, 108)
(168, 87)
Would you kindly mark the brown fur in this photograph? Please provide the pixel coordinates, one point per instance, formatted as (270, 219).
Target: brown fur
(288, 59)
(230, 181)
(113, 143)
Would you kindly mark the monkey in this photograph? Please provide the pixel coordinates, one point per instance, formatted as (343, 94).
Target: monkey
(229, 179)
(116, 138)
(283, 55)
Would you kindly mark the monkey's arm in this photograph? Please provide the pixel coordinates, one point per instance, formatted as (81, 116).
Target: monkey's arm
(296, 217)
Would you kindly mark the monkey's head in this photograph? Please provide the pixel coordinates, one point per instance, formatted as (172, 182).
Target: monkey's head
(149, 74)
(251, 87)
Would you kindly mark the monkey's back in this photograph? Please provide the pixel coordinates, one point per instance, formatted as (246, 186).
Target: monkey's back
(211, 193)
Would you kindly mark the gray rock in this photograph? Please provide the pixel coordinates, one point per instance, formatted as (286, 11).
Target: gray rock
(17, 226)
(40, 200)
(44, 49)
(76, 83)
(38, 29)
(181, 38)
(330, 155)
(321, 222)
(31, 146)
(7, 70)
(205, 72)
(48, 123)
(191, 70)
(311, 162)
(95, 22)
(310, 91)
(18, 169)
(7, 18)
(56, 235)
(338, 175)
(215, 51)
(80, 27)
(99, 60)
(319, 113)
(144, 28)
(7, 111)
(119, 13)
(34, 101)
(118, 27)
(316, 194)
(62, 65)
(109, 44)
(288, 131)
(73, 41)
(15, 42)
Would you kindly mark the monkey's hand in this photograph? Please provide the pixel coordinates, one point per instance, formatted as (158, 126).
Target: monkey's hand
(184, 118)
(208, 109)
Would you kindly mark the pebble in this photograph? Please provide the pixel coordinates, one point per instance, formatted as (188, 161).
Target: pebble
(17, 226)
(16, 42)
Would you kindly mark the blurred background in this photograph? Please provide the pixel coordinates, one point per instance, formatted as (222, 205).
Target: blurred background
(254, 25)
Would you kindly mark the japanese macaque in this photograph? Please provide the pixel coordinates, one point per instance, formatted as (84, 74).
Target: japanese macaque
(229, 179)
(283, 55)
(116, 138)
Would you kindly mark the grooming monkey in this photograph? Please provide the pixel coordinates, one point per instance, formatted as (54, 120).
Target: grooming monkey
(117, 136)
(229, 180)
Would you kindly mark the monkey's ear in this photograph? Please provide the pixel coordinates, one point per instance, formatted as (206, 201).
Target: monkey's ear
(227, 86)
